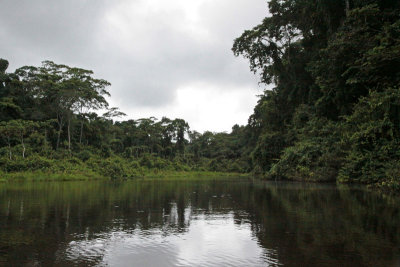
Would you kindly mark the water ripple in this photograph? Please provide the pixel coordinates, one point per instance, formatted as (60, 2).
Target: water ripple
(210, 240)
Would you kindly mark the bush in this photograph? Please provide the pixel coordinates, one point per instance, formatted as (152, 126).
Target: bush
(147, 161)
(316, 157)
(110, 167)
(19, 164)
(373, 135)
(84, 155)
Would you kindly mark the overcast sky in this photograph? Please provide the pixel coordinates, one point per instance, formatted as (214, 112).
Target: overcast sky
(163, 58)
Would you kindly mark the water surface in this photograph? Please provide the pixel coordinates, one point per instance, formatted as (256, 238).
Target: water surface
(205, 222)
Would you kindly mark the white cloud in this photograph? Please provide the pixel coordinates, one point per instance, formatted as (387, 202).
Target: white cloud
(206, 107)
(169, 58)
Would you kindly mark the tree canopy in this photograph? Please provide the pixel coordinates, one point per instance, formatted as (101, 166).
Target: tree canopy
(331, 63)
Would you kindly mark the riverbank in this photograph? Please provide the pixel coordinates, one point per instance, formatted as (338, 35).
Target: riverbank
(39, 168)
(387, 186)
(93, 176)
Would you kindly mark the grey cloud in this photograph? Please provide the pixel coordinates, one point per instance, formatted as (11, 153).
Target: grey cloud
(56, 30)
(144, 72)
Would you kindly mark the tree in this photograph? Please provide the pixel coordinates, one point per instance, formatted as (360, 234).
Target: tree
(321, 68)
(8, 132)
(180, 127)
(90, 93)
(64, 90)
(8, 108)
(3, 76)
(113, 113)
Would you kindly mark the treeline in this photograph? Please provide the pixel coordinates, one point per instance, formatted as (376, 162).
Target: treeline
(333, 114)
(49, 121)
(334, 111)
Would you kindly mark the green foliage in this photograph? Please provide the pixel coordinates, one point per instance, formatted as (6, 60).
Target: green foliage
(333, 112)
(84, 155)
(48, 111)
(374, 139)
(317, 151)
(33, 163)
(111, 167)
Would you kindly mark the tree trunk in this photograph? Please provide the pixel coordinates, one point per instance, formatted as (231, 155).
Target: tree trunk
(347, 7)
(80, 136)
(45, 138)
(23, 146)
(59, 121)
(9, 148)
(69, 136)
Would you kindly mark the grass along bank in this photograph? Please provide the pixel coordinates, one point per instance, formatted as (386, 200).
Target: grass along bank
(39, 168)
(92, 176)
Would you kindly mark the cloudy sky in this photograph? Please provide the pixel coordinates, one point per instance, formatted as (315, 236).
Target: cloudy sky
(163, 58)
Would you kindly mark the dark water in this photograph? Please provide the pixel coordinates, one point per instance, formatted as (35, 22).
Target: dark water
(196, 223)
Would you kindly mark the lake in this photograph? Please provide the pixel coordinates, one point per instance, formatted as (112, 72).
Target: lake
(196, 222)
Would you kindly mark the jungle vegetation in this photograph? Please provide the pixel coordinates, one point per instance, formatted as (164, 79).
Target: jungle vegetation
(49, 125)
(333, 113)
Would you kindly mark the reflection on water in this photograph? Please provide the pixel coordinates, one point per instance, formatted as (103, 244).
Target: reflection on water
(203, 244)
(196, 223)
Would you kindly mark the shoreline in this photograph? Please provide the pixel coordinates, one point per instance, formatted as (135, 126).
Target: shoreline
(85, 175)
(39, 176)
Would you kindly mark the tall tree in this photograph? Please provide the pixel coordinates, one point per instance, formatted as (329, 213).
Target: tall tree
(64, 91)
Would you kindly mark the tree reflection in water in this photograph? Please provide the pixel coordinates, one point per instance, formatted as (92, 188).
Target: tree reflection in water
(196, 222)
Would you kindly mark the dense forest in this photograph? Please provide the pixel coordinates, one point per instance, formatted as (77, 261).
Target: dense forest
(333, 113)
(50, 123)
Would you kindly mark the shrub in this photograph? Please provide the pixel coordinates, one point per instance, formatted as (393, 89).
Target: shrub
(373, 135)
